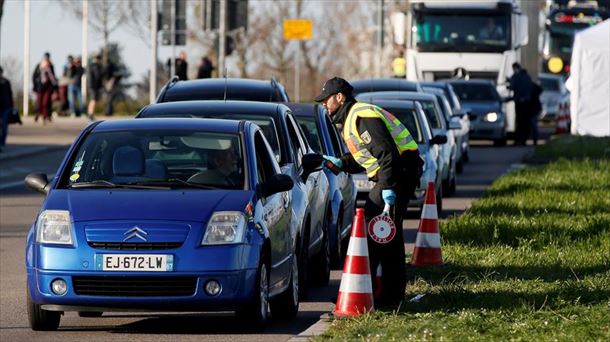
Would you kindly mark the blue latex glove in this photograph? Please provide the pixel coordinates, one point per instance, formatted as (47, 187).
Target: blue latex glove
(389, 196)
(333, 160)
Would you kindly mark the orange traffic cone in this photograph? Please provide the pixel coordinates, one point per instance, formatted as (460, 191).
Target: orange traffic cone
(356, 290)
(428, 242)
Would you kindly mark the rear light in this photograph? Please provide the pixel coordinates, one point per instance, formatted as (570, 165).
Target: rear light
(567, 68)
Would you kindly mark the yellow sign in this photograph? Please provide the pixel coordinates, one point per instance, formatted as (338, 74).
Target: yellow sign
(555, 65)
(300, 29)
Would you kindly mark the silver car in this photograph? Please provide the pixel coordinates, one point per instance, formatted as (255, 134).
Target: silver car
(555, 97)
(439, 124)
(412, 115)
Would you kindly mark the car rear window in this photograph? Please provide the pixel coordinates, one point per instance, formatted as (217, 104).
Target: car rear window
(150, 156)
(309, 127)
(262, 95)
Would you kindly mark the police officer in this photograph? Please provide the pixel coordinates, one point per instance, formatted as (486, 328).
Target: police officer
(380, 145)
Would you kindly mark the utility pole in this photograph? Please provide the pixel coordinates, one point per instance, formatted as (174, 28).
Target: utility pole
(84, 50)
(297, 73)
(529, 53)
(152, 87)
(379, 56)
(172, 70)
(222, 38)
(26, 58)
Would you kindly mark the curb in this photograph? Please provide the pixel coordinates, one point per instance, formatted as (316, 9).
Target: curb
(315, 330)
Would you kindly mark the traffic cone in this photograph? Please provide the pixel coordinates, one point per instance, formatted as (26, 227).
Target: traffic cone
(562, 121)
(356, 290)
(428, 242)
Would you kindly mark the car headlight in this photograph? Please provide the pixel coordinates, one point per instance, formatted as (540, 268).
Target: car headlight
(225, 227)
(491, 117)
(54, 226)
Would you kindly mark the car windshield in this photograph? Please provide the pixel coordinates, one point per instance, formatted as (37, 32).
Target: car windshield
(548, 84)
(309, 127)
(460, 32)
(410, 119)
(165, 158)
(476, 92)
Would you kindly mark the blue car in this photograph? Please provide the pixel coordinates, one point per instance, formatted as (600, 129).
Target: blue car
(309, 198)
(323, 138)
(164, 214)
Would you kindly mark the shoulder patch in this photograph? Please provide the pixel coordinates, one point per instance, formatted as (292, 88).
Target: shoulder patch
(366, 137)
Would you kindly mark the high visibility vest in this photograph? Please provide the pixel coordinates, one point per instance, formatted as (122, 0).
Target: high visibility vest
(356, 144)
(399, 67)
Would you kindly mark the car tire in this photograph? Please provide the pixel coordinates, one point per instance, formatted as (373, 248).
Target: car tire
(500, 141)
(337, 253)
(286, 305)
(321, 263)
(304, 267)
(459, 166)
(90, 314)
(466, 156)
(42, 320)
(256, 313)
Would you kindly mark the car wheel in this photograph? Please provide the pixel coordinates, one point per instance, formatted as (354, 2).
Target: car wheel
(321, 264)
(304, 267)
(466, 156)
(459, 166)
(337, 253)
(89, 314)
(256, 313)
(500, 141)
(42, 320)
(286, 305)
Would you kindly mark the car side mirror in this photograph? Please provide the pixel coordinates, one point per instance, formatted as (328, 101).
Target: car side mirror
(38, 182)
(278, 183)
(438, 139)
(311, 162)
(460, 113)
(455, 123)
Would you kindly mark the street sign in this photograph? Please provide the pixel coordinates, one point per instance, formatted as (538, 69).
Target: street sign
(298, 29)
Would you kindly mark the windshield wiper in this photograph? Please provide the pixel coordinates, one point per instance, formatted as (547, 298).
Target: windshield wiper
(100, 183)
(176, 181)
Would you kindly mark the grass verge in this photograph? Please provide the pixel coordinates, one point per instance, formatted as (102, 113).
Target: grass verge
(529, 261)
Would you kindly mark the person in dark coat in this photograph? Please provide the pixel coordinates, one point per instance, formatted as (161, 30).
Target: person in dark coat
(6, 106)
(521, 85)
(112, 77)
(205, 68)
(37, 83)
(74, 73)
(95, 83)
(181, 67)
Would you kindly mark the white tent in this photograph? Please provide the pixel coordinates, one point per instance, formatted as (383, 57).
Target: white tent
(589, 82)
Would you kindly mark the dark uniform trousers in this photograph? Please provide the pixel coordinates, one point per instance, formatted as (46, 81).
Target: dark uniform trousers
(392, 255)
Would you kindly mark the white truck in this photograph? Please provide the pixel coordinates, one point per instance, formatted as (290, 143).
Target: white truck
(465, 39)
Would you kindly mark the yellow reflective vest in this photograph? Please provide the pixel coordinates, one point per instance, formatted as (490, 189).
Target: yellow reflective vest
(399, 67)
(356, 143)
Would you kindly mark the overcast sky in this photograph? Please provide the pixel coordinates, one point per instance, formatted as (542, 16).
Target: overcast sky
(55, 30)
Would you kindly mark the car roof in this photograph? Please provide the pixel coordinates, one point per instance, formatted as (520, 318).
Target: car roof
(475, 81)
(433, 90)
(200, 108)
(378, 84)
(410, 95)
(302, 109)
(215, 88)
(215, 125)
(407, 104)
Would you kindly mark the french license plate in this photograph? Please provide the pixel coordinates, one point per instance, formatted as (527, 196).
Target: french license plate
(135, 262)
(363, 184)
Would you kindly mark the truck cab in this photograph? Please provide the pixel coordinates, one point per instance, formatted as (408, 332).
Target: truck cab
(465, 39)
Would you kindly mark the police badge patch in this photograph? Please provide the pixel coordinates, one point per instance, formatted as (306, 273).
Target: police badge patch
(366, 137)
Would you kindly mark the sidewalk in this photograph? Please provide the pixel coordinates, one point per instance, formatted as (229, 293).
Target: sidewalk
(33, 138)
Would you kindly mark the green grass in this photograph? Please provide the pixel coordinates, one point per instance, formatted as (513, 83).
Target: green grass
(529, 261)
(574, 147)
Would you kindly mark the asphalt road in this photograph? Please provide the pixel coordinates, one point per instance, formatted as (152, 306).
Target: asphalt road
(19, 207)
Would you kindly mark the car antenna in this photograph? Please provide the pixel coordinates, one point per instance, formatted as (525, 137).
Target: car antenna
(224, 74)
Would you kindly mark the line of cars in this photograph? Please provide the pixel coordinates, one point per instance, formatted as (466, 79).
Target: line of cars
(230, 211)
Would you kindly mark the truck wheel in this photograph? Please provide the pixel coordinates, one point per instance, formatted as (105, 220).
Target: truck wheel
(41, 320)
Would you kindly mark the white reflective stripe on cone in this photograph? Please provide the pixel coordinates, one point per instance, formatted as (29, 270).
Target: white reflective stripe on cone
(357, 247)
(429, 212)
(429, 240)
(356, 283)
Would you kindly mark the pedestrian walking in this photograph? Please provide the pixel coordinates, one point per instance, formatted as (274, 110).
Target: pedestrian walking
(95, 79)
(74, 73)
(6, 107)
(37, 82)
(383, 147)
(205, 68)
(181, 67)
(48, 84)
(521, 85)
(535, 110)
(112, 77)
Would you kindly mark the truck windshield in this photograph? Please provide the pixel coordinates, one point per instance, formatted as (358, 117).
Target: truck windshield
(460, 32)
